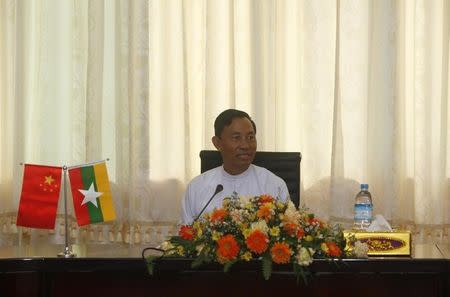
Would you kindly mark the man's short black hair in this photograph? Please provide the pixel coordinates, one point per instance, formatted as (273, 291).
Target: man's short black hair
(226, 117)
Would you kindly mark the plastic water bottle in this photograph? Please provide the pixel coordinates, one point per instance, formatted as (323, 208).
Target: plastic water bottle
(363, 208)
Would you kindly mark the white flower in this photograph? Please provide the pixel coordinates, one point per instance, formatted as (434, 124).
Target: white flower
(291, 214)
(291, 205)
(236, 216)
(260, 225)
(304, 256)
(361, 249)
(168, 248)
(166, 245)
(244, 200)
(199, 248)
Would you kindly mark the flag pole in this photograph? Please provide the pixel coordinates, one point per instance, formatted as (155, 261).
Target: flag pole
(87, 164)
(67, 251)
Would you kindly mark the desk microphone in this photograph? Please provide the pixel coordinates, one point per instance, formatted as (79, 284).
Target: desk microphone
(219, 189)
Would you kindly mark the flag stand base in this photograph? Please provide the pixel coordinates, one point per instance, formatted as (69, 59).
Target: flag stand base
(67, 253)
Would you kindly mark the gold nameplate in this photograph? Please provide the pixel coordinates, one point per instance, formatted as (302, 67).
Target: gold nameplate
(396, 243)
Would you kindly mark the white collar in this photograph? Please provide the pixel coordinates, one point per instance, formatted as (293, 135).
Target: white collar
(237, 176)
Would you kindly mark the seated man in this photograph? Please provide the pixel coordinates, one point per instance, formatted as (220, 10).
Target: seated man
(235, 138)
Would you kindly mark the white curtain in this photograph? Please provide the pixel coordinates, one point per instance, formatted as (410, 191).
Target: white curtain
(360, 88)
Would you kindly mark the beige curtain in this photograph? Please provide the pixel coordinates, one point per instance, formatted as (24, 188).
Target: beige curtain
(361, 88)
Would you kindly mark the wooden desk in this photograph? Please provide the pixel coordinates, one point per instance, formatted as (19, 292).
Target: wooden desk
(426, 273)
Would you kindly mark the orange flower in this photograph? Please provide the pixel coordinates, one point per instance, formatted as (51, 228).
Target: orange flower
(333, 249)
(218, 215)
(264, 212)
(186, 232)
(290, 228)
(300, 233)
(257, 242)
(227, 248)
(265, 198)
(281, 253)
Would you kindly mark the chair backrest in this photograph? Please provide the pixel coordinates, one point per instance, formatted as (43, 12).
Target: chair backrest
(284, 164)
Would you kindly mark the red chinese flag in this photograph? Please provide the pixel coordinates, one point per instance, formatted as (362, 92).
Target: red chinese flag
(39, 198)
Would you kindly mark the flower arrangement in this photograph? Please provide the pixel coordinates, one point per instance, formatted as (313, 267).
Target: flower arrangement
(259, 227)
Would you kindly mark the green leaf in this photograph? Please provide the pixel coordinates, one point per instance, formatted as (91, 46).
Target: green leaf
(151, 264)
(200, 260)
(197, 262)
(300, 272)
(176, 240)
(266, 267)
(227, 266)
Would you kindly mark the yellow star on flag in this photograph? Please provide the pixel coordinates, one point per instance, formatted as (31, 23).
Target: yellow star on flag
(49, 179)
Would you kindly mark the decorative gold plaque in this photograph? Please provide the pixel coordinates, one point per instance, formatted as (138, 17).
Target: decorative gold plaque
(396, 243)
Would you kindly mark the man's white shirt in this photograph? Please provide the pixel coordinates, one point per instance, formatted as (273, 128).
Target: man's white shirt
(252, 182)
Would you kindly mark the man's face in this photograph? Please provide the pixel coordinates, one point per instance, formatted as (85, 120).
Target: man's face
(237, 144)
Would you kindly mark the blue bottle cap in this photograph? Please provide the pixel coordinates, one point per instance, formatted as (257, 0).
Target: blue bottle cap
(364, 186)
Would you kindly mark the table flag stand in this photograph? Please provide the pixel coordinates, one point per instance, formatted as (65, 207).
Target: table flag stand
(67, 250)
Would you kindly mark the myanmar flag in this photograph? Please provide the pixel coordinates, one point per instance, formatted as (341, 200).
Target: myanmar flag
(39, 197)
(92, 199)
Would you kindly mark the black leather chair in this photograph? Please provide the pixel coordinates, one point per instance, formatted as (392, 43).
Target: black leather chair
(284, 164)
